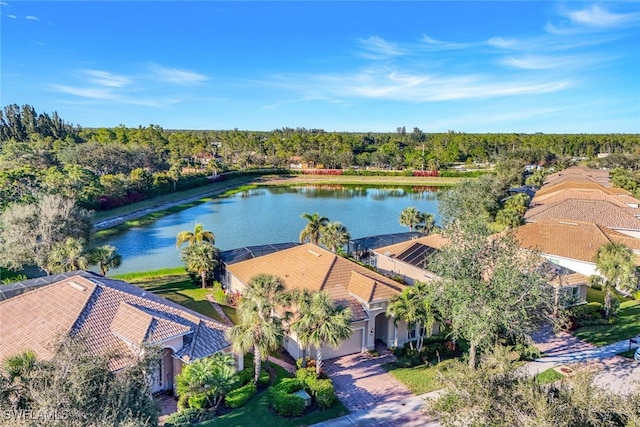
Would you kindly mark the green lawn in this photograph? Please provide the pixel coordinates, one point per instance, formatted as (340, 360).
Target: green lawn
(179, 289)
(626, 326)
(256, 412)
(419, 379)
(548, 376)
(595, 295)
(231, 313)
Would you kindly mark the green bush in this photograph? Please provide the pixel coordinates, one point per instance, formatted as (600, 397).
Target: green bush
(288, 405)
(324, 393)
(198, 401)
(285, 403)
(589, 311)
(246, 376)
(264, 378)
(447, 365)
(186, 418)
(240, 396)
(304, 373)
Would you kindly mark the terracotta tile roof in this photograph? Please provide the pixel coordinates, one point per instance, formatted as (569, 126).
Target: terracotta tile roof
(552, 189)
(35, 318)
(311, 267)
(587, 194)
(601, 212)
(369, 289)
(570, 239)
(580, 173)
(435, 241)
(572, 279)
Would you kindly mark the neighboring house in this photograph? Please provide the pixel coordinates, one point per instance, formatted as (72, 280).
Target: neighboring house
(113, 316)
(407, 259)
(580, 173)
(583, 190)
(570, 287)
(571, 244)
(349, 284)
(613, 215)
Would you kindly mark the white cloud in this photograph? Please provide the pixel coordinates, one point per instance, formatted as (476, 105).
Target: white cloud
(377, 48)
(32, 18)
(595, 16)
(104, 78)
(547, 62)
(177, 76)
(108, 94)
(442, 45)
(503, 43)
(11, 16)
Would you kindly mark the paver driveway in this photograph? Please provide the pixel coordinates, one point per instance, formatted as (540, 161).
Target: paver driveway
(362, 383)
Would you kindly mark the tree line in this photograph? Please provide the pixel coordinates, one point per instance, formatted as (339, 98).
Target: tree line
(43, 153)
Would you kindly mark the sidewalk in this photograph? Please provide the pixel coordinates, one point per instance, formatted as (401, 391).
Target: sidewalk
(405, 413)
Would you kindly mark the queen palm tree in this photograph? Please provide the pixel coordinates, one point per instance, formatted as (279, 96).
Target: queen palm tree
(198, 235)
(615, 263)
(68, 255)
(321, 322)
(315, 225)
(427, 223)
(201, 259)
(334, 236)
(260, 329)
(410, 217)
(105, 257)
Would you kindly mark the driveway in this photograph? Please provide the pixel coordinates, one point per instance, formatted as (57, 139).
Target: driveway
(362, 383)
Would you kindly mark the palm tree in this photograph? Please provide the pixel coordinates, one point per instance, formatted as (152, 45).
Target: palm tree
(321, 322)
(201, 259)
(415, 305)
(410, 217)
(106, 257)
(198, 235)
(427, 223)
(18, 369)
(334, 236)
(315, 225)
(260, 329)
(615, 263)
(68, 256)
(211, 377)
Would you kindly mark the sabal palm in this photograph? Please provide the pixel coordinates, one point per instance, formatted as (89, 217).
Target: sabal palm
(321, 322)
(106, 257)
(410, 217)
(427, 223)
(201, 259)
(68, 256)
(334, 236)
(18, 369)
(314, 228)
(615, 263)
(260, 329)
(198, 235)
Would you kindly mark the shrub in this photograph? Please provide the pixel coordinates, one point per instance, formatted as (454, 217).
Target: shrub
(589, 311)
(198, 401)
(636, 295)
(288, 405)
(304, 373)
(186, 418)
(264, 378)
(246, 376)
(324, 393)
(240, 396)
(447, 365)
(285, 403)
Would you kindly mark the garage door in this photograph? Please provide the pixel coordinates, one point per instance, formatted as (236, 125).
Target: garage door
(350, 346)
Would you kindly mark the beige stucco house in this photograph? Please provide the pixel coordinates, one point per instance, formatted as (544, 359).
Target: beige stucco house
(113, 316)
(311, 267)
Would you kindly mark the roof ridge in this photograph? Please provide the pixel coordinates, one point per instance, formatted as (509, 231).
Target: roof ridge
(329, 271)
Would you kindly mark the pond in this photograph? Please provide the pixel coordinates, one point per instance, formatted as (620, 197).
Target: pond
(270, 215)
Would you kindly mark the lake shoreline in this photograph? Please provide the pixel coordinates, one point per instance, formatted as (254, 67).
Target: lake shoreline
(140, 216)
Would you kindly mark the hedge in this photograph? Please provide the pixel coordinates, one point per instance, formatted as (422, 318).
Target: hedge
(321, 389)
(240, 396)
(283, 401)
(187, 417)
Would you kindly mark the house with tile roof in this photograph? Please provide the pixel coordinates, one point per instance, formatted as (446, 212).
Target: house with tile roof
(572, 244)
(113, 316)
(349, 284)
(408, 259)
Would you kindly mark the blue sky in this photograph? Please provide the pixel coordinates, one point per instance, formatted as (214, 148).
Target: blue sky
(551, 67)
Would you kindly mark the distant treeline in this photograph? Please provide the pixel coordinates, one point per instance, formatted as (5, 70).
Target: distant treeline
(105, 167)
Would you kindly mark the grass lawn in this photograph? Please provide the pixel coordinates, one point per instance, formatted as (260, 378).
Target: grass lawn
(419, 379)
(179, 289)
(231, 313)
(627, 326)
(594, 295)
(548, 376)
(256, 411)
